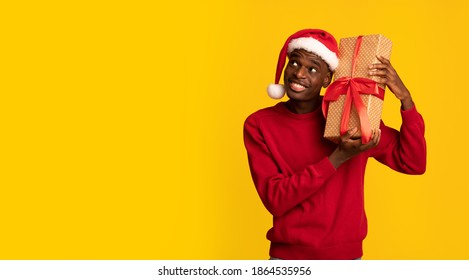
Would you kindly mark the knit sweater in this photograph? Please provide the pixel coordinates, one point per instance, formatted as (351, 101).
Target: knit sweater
(318, 211)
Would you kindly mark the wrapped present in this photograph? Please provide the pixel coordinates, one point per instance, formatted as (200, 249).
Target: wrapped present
(355, 99)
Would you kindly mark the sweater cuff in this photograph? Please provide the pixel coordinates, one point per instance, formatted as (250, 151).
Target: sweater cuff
(410, 115)
(326, 167)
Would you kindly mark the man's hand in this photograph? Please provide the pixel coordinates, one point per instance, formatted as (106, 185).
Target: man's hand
(349, 147)
(386, 74)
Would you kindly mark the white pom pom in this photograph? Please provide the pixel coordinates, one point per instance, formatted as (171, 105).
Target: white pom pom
(276, 91)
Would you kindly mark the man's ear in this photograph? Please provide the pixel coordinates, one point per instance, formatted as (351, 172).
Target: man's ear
(327, 79)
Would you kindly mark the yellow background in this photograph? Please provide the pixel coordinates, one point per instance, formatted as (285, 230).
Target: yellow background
(121, 126)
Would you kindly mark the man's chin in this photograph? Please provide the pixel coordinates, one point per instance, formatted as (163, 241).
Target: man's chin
(300, 96)
(292, 93)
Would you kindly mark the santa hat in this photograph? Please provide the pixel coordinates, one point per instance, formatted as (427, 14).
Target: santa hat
(316, 41)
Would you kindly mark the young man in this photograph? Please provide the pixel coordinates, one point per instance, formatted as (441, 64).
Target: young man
(314, 188)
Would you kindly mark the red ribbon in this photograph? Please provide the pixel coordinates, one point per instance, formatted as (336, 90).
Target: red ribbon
(352, 87)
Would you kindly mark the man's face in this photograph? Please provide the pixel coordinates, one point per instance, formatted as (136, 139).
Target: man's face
(305, 75)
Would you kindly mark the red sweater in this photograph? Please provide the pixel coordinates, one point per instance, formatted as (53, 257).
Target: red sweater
(318, 211)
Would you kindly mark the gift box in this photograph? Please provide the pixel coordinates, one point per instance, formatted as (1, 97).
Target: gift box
(355, 99)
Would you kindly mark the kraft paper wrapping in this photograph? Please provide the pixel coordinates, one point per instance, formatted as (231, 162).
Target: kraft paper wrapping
(371, 46)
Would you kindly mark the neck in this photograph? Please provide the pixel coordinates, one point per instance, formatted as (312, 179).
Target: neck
(303, 107)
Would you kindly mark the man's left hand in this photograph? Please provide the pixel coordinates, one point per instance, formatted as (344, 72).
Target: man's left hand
(386, 74)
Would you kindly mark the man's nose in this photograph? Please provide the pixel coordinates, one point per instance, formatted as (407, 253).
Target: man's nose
(301, 72)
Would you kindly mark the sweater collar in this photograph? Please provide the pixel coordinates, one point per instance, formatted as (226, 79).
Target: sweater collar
(312, 115)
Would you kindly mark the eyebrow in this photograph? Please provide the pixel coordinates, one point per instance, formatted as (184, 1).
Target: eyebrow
(314, 60)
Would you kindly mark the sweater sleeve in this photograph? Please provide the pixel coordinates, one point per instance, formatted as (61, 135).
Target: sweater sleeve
(280, 192)
(405, 150)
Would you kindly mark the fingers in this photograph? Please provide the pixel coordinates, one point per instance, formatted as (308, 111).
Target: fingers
(380, 76)
(381, 80)
(374, 141)
(351, 147)
(383, 72)
(376, 72)
(376, 136)
(378, 66)
(350, 133)
(383, 60)
(385, 64)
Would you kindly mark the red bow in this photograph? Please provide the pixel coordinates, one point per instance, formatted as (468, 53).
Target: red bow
(352, 88)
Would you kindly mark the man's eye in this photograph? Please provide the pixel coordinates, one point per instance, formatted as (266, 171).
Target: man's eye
(312, 70)
(293, 63)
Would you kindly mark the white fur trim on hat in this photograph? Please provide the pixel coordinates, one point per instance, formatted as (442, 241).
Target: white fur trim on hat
(315, 46)
(276, 91)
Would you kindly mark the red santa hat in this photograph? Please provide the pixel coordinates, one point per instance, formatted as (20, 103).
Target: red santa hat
(316, 41)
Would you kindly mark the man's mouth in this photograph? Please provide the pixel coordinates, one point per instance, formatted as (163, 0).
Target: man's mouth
(297, 87)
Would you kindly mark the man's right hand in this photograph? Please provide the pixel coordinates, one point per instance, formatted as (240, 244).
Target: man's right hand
(349, 147)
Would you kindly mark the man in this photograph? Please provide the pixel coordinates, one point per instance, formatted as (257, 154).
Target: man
(314, 188)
